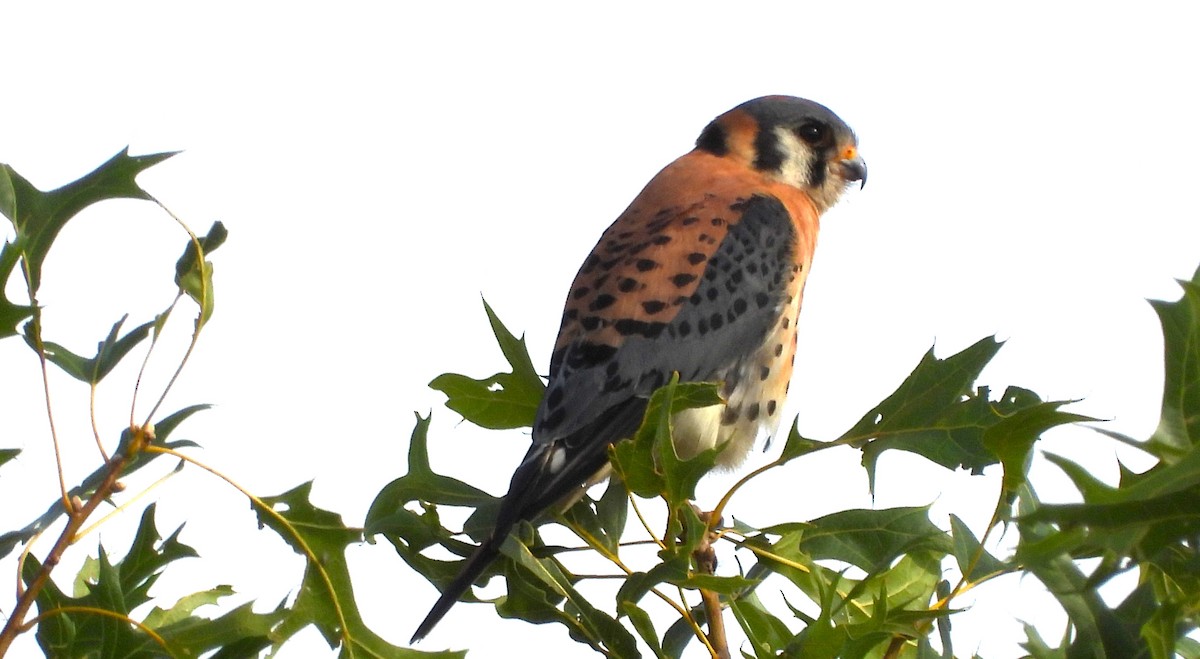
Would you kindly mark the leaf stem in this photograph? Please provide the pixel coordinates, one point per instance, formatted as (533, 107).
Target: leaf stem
(99, 612)
(92, 418)
(203, 303)
(36, 324)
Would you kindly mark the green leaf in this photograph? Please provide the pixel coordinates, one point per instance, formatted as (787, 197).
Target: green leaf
(601, 520)
(1037, 647)
(893, 597)
(873, 538)
(1011, 439)
(193, 274)
(189, 262)
(532, 599)
(1064, 580)
(505, 400)
(405, 513)
(820, 638)
(674, 570)
(421, 483)
(167, 425)
(1188, 648)
(647, 462)
(644, 626)
(326, 597)
(585, 622)
(974, 562)
(1162, 479)
(1093, 488)
(239, 633)
(767, 634)
(38, 216)
(185, 607)
(796, 444)
(612, 510)
(7, 454)
(932, 413)
(122, 586)
(8, 195)
(680, 477)
(109, 352)
(1145, 514)
(1179, 426)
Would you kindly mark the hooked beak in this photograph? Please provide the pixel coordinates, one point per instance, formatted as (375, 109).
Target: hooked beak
(854, 168)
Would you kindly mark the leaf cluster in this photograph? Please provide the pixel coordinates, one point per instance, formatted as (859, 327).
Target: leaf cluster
(111, 611)
(864, 583)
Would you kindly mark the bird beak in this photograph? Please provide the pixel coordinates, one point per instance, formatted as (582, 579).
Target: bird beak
(854, 168)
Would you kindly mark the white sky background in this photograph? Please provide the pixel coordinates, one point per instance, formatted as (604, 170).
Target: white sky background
(379, 166)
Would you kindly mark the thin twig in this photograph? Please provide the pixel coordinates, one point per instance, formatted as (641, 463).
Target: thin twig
(895, 647)
(706, 563)
(75, 519)
(716, 623)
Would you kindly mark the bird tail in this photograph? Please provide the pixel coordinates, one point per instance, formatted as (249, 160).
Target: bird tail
(535, 487)
(479, 561)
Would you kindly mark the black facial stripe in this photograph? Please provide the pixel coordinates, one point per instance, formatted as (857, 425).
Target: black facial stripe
(816, 169)
(713, 140)
(768, 154)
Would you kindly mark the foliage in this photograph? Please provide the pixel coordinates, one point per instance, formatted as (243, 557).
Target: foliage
(111, 612)
(881, 582)
(884, 581)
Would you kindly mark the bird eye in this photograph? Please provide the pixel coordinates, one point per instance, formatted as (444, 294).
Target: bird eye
(811, 132)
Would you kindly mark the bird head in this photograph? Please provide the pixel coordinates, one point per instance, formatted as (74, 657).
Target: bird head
(792, 140)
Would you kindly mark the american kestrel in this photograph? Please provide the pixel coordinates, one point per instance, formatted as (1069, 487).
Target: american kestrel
(702, 275)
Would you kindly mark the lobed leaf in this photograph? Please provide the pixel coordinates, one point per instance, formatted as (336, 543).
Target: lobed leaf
(1179, 426)
(932, 413)
(869, 539)
(505, 400)
(326, 596)
(109, 352)
(123, 585)
(38, 216)
(1011, 439)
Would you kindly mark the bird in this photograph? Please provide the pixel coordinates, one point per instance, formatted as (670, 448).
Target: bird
(702, 275)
